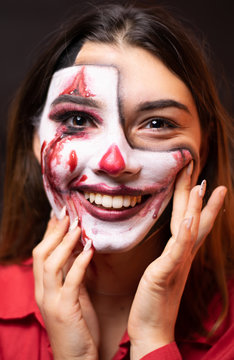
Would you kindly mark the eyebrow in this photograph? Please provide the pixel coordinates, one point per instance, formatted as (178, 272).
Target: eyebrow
(80, 100)
(162, 104)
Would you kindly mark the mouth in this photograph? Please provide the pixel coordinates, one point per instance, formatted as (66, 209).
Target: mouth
(116, 202)
(113, 207)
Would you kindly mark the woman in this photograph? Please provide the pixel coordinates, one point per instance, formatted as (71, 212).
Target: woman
(122, 115)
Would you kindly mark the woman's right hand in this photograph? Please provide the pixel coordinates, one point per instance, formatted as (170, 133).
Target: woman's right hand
(68, 314)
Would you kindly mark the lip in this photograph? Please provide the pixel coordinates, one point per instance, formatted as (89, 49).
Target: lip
(117, 190)
(114, 215)
(111, 215)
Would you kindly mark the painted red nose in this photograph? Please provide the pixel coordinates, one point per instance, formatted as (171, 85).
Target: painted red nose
(112, 161)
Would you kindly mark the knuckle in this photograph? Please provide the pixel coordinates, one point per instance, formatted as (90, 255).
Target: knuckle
(48, 267)
(38, 252)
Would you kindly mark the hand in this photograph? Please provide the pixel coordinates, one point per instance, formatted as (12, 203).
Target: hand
(69, 317)
(155, 307)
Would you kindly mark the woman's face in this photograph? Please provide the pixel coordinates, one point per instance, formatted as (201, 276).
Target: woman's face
(116, 129)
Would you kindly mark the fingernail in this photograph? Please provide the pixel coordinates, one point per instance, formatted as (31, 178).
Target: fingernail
(62, 213)
(88, 245)
(52, 213)
(223, 192)
(188, 222)
(202, 189)
(190, 168)
(74, 224)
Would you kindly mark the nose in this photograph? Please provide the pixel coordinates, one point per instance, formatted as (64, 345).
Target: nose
(113, 163)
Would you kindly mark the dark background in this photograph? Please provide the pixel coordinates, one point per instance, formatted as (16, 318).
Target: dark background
(24, 24)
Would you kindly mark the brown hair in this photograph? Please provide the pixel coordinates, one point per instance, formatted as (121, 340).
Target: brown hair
(26, 209)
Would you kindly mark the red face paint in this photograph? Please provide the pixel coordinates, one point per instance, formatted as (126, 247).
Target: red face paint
(42, 161)
(78, 86)
(72, 162)
(83, 178)
(112, 162)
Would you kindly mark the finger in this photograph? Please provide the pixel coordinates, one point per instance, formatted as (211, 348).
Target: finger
(181, 197)
(209, 214)
(53, 266)
(54, 234)
(192, 212)
(195, 205)
(177, 252)
(76, 274)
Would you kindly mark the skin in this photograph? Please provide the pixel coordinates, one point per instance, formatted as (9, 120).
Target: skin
(147, 284)
(107, 155)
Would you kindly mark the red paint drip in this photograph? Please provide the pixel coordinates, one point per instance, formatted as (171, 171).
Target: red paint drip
(78, 86)
(83, 178)
(85, 238)
(112, 161)
(42, 161)
(72, 162)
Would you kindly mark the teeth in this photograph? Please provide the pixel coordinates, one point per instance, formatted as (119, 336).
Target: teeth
(133, 201)
(92, 197)
(126, 201)
(107, 201)
(98, 199)
(115, 202)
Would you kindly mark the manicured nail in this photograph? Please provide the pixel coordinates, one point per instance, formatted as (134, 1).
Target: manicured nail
(73, 224)
(190, 168)
(88, 245)
(202, 189)
(62, 213)
(52, 213)
(188, 222)
(223, 192)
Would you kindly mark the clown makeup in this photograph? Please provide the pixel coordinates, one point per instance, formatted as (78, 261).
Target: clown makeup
(113, 171)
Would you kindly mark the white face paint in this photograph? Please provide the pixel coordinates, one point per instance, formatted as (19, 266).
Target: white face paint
(117, 190)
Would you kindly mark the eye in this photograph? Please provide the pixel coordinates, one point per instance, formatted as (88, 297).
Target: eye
(72, 118)
(159, 123)
(79, 120)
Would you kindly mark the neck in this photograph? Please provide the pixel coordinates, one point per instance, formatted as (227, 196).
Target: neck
(118, 274)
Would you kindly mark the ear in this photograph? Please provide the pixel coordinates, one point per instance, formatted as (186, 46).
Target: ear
(37, 147)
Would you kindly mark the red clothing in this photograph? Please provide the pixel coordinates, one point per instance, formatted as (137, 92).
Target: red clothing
(23, 335)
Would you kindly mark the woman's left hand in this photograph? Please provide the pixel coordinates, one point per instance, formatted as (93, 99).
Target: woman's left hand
(155, 307)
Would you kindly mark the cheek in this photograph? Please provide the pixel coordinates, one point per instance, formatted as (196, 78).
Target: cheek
(60, 162)
(162, 167)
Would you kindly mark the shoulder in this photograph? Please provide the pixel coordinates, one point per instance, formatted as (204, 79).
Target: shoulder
(22, 332)
(17, 290)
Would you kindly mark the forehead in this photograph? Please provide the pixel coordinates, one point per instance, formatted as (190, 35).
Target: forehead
(86, 81)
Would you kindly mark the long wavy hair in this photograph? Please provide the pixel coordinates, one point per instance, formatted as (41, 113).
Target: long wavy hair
(26, 208)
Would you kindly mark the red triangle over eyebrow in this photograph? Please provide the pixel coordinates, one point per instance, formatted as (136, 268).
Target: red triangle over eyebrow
(78, 86)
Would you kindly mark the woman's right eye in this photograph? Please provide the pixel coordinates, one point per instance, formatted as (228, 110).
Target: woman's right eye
(74, 119)
(79, 120)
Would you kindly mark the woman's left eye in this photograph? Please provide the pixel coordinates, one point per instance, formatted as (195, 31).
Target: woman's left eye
(158, 123)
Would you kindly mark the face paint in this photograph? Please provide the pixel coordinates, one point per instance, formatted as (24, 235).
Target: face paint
(112, 162)
(117, 191)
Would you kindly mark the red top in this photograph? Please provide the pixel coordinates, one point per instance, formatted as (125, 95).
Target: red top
(23, 335)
